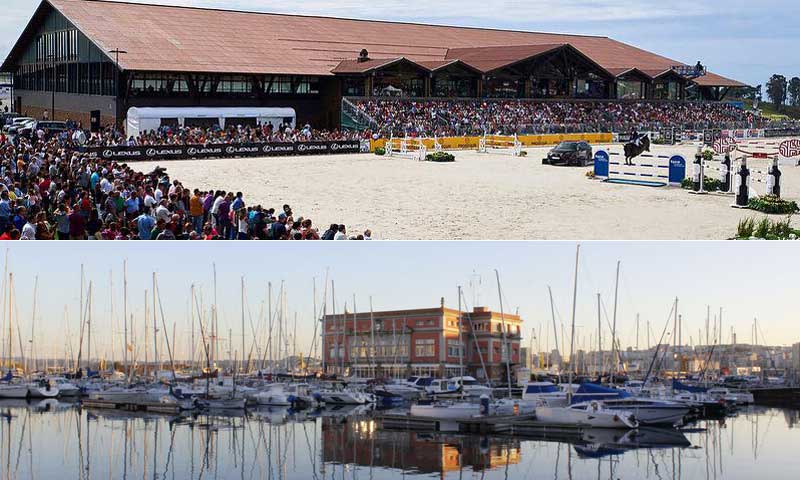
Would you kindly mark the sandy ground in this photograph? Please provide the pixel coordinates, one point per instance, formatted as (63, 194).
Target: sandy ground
(480, 196)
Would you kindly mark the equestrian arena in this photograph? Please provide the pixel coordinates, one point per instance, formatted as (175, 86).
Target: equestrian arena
(479, 196)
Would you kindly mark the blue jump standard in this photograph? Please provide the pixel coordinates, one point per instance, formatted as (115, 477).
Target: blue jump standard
(675, 166)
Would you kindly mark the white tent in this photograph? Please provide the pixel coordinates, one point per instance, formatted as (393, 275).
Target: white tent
(149, 118)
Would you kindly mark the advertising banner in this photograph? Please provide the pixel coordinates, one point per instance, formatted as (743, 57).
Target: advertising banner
(185, 152)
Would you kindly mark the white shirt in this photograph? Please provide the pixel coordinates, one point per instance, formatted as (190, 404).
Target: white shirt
(340, 236)
(28, 232)
(162, 213)
(106, 186)
(149, 201)
(215, 205)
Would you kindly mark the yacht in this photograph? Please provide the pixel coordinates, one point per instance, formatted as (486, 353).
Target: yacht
(42, 389)
(344, 396)
(586, 414)
(649, 411)
(546, 393)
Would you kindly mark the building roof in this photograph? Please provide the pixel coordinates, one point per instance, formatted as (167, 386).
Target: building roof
(487, 59)
(183, 39)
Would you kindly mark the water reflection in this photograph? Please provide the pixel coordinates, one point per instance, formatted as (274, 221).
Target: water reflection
(53, 439)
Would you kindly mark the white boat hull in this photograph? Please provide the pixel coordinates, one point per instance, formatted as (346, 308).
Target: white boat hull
(13, 391)
(585, 418)
(36, 391)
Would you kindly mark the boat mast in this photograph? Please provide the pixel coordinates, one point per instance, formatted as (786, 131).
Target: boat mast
(505, 334)
(144, 326)
(10, 323)
(156, 357)
(325, 347)
(614, 350)
(356, 342)
(191, 345)
(125, 317)
(241, 365)
(33, 323)
(214, 321)
(373, 349)
(555, 329)
(461, 345)
(599, 338)
(89, 330)
(574, 304)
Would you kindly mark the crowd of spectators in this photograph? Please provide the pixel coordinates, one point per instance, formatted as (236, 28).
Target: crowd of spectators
(401, 117)
(49, 189)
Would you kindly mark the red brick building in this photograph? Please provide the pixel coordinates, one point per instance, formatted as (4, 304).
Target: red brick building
(427, 341)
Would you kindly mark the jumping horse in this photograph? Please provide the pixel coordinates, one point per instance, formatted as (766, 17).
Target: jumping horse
(632, 150)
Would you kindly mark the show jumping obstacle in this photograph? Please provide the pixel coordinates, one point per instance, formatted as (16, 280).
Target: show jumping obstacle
(413, 148)
(741, 182)
(500, 144)
(652, 171)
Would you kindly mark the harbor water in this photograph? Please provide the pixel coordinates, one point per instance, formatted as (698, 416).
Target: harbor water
(52, 439)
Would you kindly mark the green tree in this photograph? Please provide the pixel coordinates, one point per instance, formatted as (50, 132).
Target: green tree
(776, 90)
(794, 91)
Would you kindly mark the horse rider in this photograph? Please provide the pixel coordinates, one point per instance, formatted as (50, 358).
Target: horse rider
(635, 138)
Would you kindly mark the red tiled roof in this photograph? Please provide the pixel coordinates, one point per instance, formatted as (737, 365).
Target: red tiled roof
(491, 58)
(169, 38)
(356, 66)
(714, 80)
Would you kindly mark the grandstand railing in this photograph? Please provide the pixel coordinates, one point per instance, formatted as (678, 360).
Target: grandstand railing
(349, 108)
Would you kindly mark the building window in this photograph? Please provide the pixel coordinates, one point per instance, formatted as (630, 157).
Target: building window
(454, 348)
(353, 87)
(629, 90)
(666, 91)
(425, 347)
(234, 84)
(280, 85)
(157, 84)
(454, 87)
(307, 85)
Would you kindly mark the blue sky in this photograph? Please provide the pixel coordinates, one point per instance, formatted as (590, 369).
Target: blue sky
(745, 40)
(747, 279)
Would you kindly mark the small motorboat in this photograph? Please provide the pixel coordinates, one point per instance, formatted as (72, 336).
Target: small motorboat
(586, 414)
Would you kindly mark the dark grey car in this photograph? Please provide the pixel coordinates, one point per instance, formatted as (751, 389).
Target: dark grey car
(570, 153)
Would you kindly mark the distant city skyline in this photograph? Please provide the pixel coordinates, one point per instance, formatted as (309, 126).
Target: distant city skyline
(743, 278)
(746, 41)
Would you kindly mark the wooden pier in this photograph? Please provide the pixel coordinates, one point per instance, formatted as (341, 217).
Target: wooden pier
(482, 425)
(132, 407)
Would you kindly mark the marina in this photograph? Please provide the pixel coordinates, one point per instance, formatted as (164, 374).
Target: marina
(348, 443)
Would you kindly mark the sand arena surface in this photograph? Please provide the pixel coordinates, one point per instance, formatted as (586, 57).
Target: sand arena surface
(480, 196)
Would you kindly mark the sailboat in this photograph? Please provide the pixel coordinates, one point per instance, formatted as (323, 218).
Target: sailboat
(584, 414)
(16, 387)
(231, 400)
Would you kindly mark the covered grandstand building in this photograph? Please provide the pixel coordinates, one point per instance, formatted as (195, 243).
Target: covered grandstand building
(81, 56)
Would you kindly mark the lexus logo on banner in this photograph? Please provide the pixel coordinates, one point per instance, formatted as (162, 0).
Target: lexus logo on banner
(185, 152)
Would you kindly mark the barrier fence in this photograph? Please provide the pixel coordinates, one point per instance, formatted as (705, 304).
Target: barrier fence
(222, 150)
(472, 143)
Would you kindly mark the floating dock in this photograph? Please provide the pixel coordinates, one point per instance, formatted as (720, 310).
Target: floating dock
(482, 425)
(132, 407)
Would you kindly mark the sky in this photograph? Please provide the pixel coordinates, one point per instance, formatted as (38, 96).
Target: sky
(744, 40)
(746, 279)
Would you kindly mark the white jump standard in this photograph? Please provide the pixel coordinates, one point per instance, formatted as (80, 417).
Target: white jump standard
(500, 144)
(406, 147)
(653, 171)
